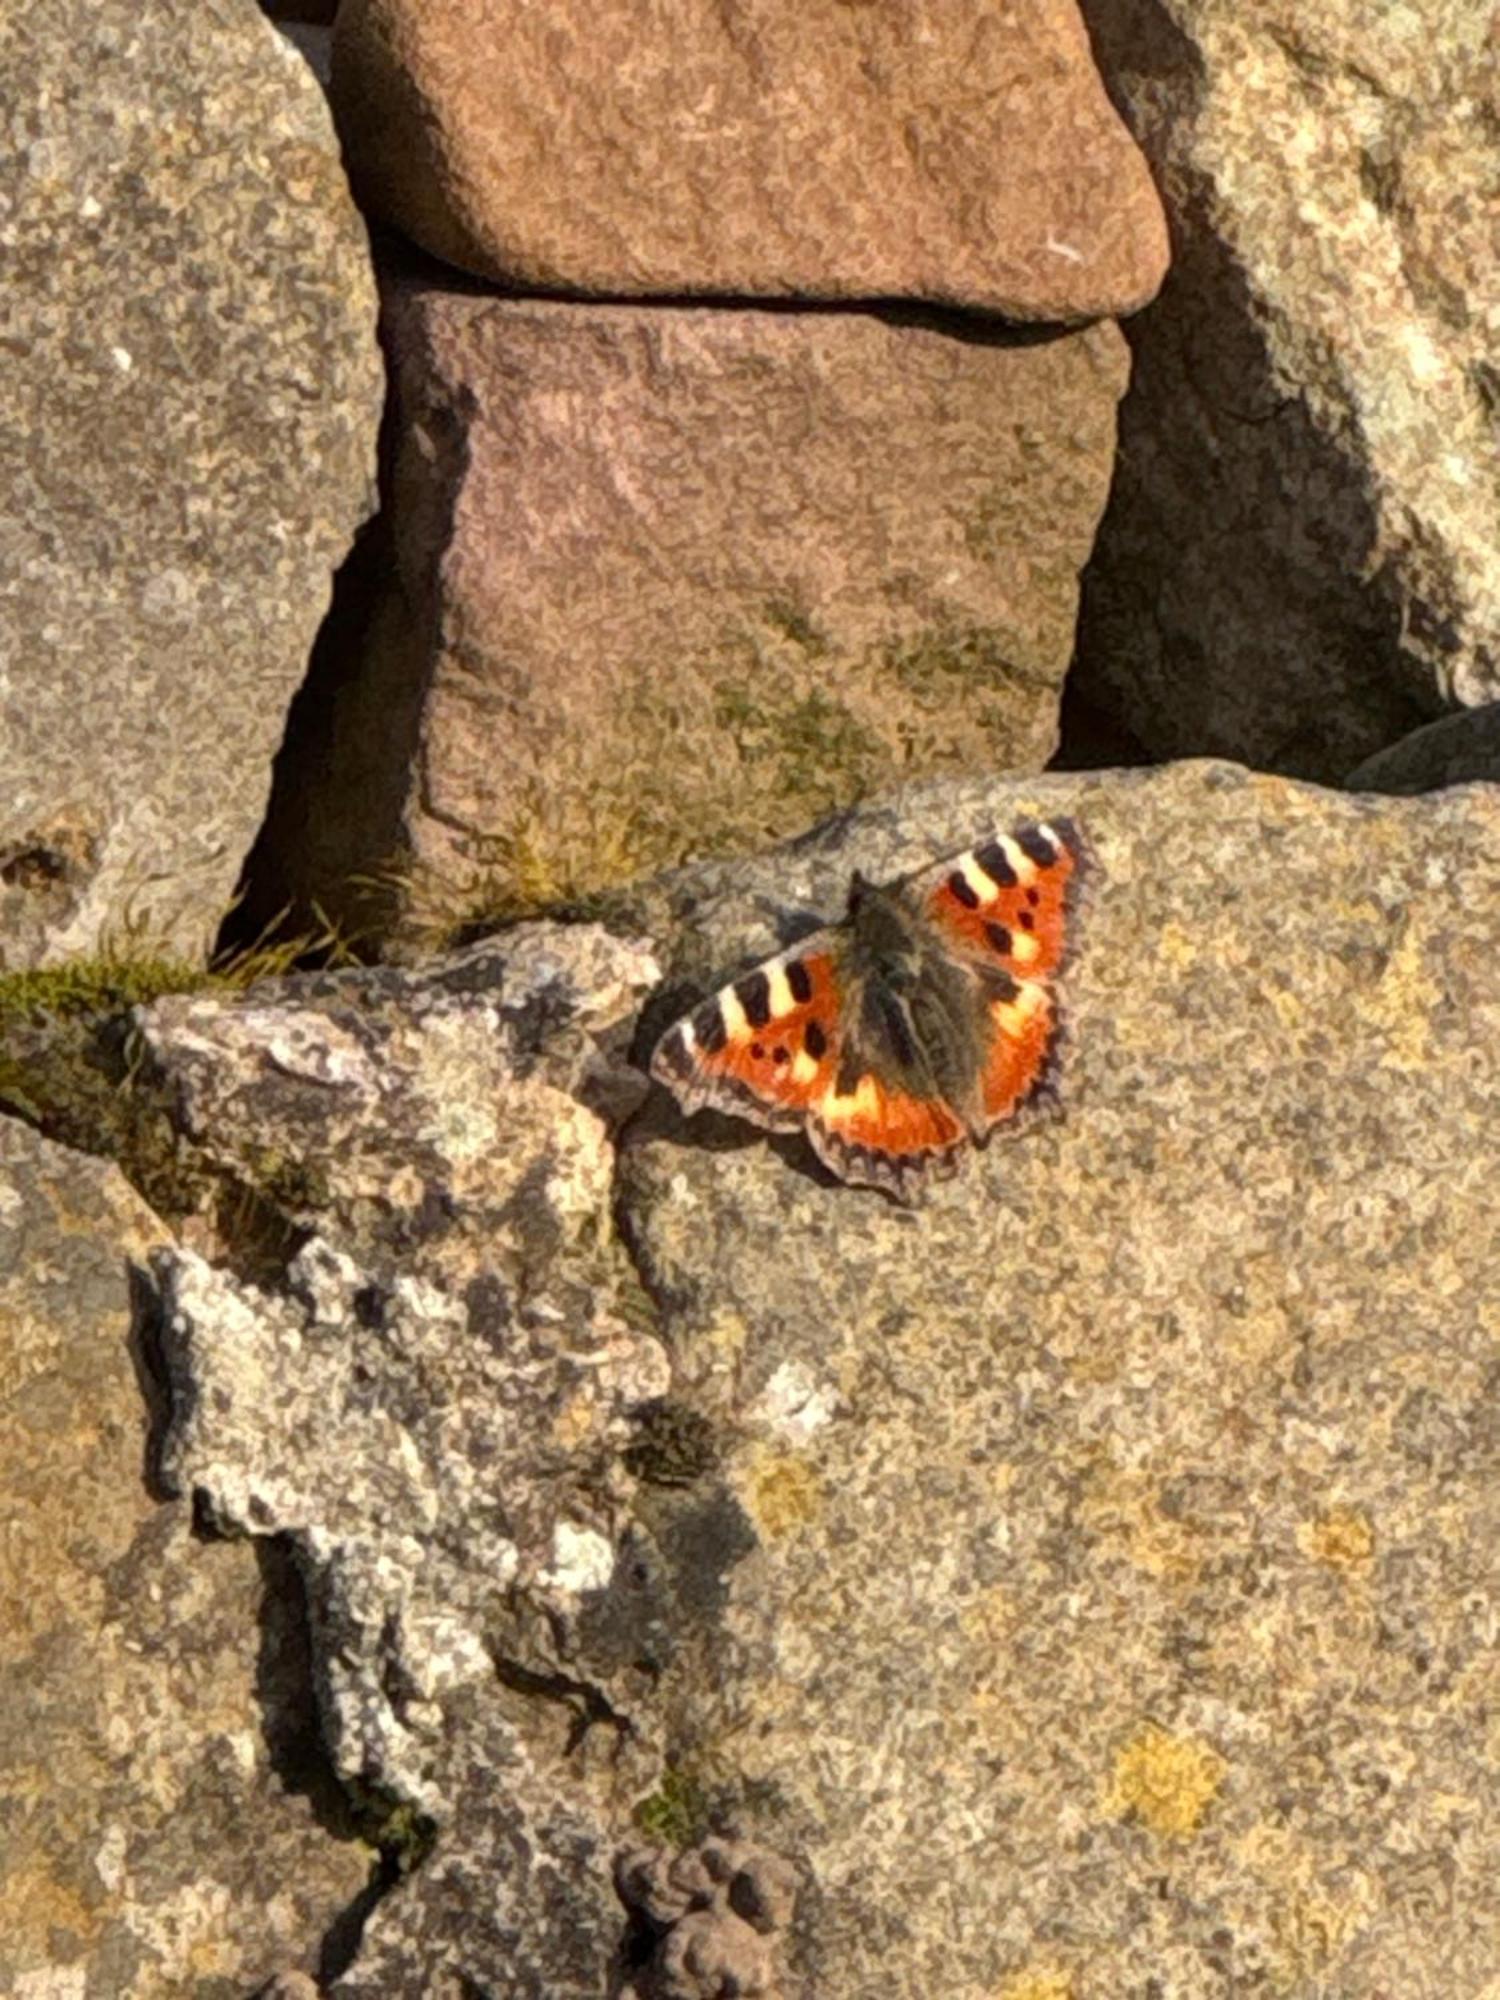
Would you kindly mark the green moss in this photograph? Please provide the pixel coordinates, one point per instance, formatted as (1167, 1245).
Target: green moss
(70, 1061)
(792, 623)
(931, 662)
(674, 1444)
(107, 984)
(677, 1812)
(293, 1185)
(814, 752)
(403, 1833)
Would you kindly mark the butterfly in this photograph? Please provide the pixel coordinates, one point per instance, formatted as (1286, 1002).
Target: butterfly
(908, 1031)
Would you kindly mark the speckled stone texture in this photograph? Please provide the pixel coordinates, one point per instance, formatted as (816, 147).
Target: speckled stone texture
(915, 149)
(1121, 1609)
(675, 581)
(155, 1720)
(1459, 750)
(1298, 564)
(187, 420)
(1079, 1585)
(429, 1405)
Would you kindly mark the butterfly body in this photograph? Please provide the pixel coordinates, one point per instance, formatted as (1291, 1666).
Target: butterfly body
(916, 1025)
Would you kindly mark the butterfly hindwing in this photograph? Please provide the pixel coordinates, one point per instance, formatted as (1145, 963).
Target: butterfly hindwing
(767, 1045)
(882, 1136)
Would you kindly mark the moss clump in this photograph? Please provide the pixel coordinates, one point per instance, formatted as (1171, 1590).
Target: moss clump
(677, 1812)
(401, 1831)
(674, 1444)
(71, 1062)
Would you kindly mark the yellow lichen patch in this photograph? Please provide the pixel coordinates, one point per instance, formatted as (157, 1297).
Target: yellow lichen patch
(781, 1491)
(1342, 1538)
(1168, 1782)
(1121, 1507)
(1316, 1907)
(1400, 1006)
(1036, 1984)
(1175, 947)
(574, 1421)
(35, 1907)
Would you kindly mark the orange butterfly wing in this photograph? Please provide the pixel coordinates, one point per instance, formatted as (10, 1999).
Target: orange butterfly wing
(766, 1046)
(1008, 905)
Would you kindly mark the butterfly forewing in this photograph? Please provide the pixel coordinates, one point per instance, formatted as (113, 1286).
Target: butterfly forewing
(1007, 901)
(765, 1046)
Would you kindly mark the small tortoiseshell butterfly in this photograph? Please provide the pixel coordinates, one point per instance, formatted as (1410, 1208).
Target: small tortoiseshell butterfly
(914, 1027)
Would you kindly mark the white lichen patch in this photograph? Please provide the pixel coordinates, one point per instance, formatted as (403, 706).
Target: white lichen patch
(582, 1559)
(793, 1405)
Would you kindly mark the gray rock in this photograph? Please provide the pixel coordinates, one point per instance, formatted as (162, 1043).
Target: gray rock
(1298, 564)
(188, 412)
(1068, 1583)
(430, 1406)
(1462, 749)
(155, 1716)
(1111, 1623)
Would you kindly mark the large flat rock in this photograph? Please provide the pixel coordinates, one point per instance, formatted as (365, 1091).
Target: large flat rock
(1074, 1585)
(675, 581)
(155, 1705)
(1298, 564)
(1118, 1614)
(187, 420)
(823, 151)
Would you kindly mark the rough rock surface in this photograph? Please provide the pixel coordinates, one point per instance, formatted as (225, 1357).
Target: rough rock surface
(823, 151)
(187, 418)
(677, 580)
(431, 1407)
(1458, 750)
(150, 1734)
(1117, 1613)
(1074, 1586)
(1298, 564)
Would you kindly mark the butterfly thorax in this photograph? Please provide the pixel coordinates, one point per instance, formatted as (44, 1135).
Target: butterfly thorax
(917, 1017)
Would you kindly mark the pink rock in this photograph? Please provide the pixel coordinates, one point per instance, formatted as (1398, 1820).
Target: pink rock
(677, 581)
(829, 150)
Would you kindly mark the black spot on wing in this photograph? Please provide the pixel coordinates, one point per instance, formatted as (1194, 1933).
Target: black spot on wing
(991, 858)
(958, 884)
(754, 995)
(799, 979)
(815, 1041)
(1000, 938)
(999, 985)
(708, 1028)
(1035, 845)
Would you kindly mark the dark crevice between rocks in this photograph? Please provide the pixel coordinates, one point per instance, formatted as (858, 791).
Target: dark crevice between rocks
(589, 1707)
(332, 835)
(337, 783)
(291, 1726)
(148, 1360)
(1199, 349)
(974, 325)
